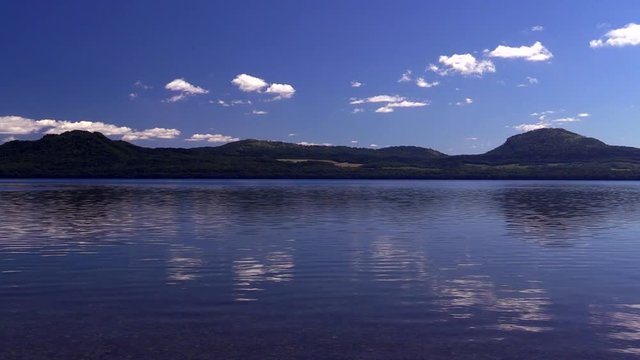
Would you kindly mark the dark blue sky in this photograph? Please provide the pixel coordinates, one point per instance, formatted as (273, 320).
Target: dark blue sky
(111, 66)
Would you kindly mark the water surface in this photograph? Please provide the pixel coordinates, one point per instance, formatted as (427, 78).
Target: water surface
(319, 269)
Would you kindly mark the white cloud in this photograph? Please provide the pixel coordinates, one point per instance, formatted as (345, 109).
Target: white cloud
(291, 134)
(530, 81)
(212, 138)
(545, 120)
(139, 84)
(530, 127)
(133, 96)
(421, 82)
(356, 84)
(542, 115)
(406, 104)
(176, 98)
(181, 86)
(566, 120)
(60, 126)
(373, 145)
(155, 133)
(377, 99)
(537, 28)
(393, 101)
(230, 103)
(7, 139)
(464, 64)
(305, 143)
(284, 91)
(405, 77)
(357, 110)
(535, 52)
(259, 112)
(20, 125)
(354, 141)
(248, 83)
(625, 36)
(384, 110)
(466, 101)
(184, 90)
(241, 102)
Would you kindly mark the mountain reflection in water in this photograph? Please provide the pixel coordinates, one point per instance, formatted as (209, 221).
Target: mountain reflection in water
(319, 269)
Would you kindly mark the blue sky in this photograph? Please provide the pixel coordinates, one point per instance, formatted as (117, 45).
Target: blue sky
(199, 73)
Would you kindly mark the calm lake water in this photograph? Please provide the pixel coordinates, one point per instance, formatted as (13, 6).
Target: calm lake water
(319, 270)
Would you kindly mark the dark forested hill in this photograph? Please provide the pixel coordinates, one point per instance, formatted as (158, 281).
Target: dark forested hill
(538, 154)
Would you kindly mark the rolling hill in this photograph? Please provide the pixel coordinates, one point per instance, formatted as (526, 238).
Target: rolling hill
(538, 154)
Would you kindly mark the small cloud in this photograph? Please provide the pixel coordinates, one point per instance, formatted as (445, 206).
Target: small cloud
(407, 104)
(542, 115)
(566, 120)
(464, 64)
(545, 120)
(176, 98)
(259, 112)
(421, 82)
(141, 88)
(140, 85)
(354, 141)
(356, 84)
(283, 91)
(530, 81)
(535, 52)
(212, 138)
(405, 77)
(248, 83)
(305, 143)
(629, 35)
(357, 111)
(373, 145)
(230, 103)
(184, 89)
(180, 85)
(530, 127)
(291, 135)
(537, 28)
(241, 102)
(155, 133)
(466, 101)
(384, 110)
(389, 108)
(377, 99)
(472, 138)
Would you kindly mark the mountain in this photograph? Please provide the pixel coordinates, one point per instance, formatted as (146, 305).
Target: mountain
(282, 150)
(556, 145)
(538, 154)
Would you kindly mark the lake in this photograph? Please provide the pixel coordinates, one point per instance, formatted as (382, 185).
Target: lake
(319, 269)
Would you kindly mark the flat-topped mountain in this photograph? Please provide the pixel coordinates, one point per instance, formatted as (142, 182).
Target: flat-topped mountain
(538, 154)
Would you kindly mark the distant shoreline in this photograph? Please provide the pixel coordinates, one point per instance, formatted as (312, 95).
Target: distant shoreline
(544, 154)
